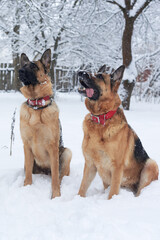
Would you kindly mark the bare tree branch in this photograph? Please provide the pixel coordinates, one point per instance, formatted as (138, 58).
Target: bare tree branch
(128, 4)
(142, 8)
(115, 3)
(133, 4)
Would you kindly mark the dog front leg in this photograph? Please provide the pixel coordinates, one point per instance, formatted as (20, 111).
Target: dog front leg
(88, 176)
(115, 182)
(29, 159)
(54, 160)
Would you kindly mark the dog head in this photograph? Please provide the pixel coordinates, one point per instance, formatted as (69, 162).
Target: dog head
(34, 75)
(101, 90)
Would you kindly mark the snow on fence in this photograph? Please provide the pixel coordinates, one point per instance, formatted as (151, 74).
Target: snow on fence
(64, 79)
(6, 76)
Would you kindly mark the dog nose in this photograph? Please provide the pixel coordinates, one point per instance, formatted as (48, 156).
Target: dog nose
(21, 70)
(83, 75)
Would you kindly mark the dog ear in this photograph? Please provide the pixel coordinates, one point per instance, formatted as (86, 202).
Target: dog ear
(102, 69)
(116, 78)
(24, 59)
(46, 59)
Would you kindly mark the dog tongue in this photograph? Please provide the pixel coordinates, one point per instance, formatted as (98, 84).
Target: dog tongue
(89, 92)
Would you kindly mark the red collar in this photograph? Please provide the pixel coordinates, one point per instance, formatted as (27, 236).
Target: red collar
(102, 118)
(39, 103)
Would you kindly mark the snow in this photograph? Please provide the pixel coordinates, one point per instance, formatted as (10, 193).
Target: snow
(139, 4)
(130, 72)
(121, 3)
(29, 213)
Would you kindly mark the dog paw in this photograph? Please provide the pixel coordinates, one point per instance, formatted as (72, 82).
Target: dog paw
(56, 194)
(109, 197)
(81, 194)
(27, 182)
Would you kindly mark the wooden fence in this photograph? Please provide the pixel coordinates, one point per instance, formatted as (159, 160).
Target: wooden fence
(7, 77)
(64, 79)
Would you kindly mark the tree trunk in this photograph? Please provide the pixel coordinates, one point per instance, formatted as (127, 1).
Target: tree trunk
(127, 59)
(128, 84)
(15, 56)
(15, 50)
(127, 41)
(55, 57)
(127, 88)
(16, 65)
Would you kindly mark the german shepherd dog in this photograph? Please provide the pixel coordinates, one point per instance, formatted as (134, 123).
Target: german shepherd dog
(110, 146)
(39, 124)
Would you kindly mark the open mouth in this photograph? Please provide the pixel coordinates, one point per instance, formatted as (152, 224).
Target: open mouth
(92, 92)
(86, 90)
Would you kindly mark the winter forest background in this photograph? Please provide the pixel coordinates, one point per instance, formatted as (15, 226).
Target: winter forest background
(84, 34)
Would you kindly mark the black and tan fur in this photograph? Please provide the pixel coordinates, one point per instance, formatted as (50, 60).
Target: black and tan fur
(113, 150)
(40, 128)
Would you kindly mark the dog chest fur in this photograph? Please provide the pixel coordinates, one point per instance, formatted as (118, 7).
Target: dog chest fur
(112, 149)
(36, 131)
(111, 146)
(40, 125)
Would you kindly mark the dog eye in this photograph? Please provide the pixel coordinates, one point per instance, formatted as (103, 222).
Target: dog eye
(33, 66)
(100, 76)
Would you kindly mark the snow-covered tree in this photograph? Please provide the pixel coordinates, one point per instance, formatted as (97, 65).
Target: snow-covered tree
(131, 10)
(82, 33)
(10, 25)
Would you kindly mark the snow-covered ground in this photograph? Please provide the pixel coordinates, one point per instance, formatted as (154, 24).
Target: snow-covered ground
(28, 213)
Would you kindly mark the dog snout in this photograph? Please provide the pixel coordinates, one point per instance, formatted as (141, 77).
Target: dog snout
(82, 75)
(21, 74)
(21, 71)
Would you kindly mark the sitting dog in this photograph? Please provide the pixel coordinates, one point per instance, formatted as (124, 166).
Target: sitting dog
(39, 124)
(110, 146)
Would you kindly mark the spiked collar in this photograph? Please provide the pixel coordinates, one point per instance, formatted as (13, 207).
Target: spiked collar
(39, 103)
(101, 119)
